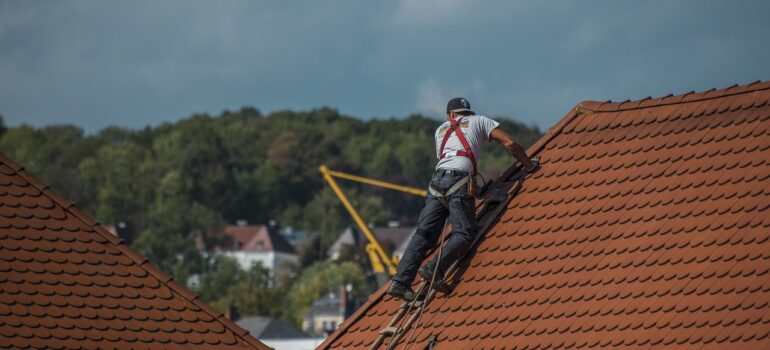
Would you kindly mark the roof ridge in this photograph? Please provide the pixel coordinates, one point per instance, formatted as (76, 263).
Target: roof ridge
(671, 99)
(143, 263)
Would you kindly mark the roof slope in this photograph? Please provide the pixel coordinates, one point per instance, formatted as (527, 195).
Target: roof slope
(647, 225)
(66, 282)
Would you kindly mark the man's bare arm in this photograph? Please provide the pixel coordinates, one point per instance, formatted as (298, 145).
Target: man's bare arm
(507, 141)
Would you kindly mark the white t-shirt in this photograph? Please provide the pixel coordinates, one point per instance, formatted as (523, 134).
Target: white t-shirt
(476, 129)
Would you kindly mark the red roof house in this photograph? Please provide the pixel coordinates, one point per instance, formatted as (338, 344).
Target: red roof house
(68, 283)
(258, 238)
(646, 227)
(264, 245)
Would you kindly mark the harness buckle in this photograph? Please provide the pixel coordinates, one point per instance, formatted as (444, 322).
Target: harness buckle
(473, 187)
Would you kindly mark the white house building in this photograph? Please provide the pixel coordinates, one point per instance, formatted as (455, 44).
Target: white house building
(263, 244)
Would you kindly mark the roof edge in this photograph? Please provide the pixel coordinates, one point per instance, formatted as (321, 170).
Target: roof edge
(141, 261)
(670, 99)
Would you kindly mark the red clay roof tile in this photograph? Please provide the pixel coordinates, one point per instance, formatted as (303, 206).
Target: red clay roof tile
(66, 282)
(646, 226)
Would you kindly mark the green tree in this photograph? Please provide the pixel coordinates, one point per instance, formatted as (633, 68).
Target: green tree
(197, 153)
(250, 292)
(22, 144)
(176, 221)
(123, 179)
(221, 273)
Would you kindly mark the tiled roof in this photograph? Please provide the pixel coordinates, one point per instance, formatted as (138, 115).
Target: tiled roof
(66, 282)
(647, 226)
(259, 238)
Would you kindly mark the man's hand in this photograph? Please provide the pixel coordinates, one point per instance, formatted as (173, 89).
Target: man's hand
(535, 161)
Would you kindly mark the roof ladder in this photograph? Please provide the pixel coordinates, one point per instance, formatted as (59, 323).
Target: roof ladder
(395, 328)
(498, 199)
(399, 325)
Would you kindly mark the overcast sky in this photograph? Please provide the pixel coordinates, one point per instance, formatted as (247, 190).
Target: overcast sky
(133, 63)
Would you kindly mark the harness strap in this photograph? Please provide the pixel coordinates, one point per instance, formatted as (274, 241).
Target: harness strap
(455, 127)
(456, 187)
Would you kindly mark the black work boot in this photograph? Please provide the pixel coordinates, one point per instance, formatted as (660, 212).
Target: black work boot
(439, 285)
(402, 291)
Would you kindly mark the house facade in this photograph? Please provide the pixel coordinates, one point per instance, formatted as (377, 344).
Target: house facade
(261, 244)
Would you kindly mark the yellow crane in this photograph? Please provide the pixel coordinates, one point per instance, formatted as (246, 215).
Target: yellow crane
(377, 255)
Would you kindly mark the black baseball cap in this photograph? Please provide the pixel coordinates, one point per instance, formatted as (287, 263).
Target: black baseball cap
(458, 104)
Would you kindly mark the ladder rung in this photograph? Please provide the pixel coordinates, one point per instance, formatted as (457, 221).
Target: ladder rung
(389, 331)
(408, 304)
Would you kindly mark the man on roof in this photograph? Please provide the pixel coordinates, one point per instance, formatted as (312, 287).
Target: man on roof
(452, 192)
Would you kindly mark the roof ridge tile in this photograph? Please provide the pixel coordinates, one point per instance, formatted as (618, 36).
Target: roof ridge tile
(670, 99)
(206, 307)
(57, 198)
(83, 217)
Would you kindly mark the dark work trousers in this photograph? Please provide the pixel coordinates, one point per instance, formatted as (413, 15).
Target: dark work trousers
(462, 214)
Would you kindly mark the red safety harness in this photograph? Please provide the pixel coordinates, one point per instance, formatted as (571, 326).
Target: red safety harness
(468, 152)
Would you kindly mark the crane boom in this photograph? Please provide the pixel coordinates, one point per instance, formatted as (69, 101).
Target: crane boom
(378, 183)
(380, 260)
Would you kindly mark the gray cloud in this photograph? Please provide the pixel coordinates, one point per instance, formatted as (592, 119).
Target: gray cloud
(144, 62)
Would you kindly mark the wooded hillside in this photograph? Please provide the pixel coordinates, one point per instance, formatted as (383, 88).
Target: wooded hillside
(203, 172)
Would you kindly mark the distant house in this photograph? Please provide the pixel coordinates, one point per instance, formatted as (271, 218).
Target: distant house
(399, 249)
(270, 328)
(327, 313)
(263, 244)
(294, 236)
(393, 239)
